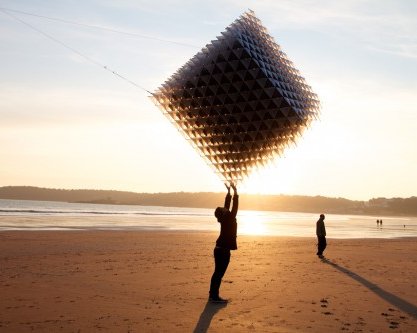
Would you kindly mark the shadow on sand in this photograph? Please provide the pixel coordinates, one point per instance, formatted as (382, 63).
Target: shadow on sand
(390, 298)
(206, 316)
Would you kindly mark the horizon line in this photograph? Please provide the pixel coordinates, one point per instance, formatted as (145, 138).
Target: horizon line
(190, 192)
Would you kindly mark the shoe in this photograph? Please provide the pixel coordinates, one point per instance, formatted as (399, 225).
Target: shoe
(321, 256)
(218, 300)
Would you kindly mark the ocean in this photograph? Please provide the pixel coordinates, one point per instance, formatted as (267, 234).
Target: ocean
(51, 215)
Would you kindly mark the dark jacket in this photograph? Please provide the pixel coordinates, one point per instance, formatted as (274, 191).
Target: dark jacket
(320, 228)
(228, 228)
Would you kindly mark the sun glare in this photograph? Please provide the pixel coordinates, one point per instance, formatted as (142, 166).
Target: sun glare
(289, 173)
(251, 223)
(273, 179)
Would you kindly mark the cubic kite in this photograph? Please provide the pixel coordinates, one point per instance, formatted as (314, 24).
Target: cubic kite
(239, 101)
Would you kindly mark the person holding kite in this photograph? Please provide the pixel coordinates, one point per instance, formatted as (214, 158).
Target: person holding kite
(225, 242)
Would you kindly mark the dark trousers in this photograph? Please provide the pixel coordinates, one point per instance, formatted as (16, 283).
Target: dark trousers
(221, 261)
(321, 244)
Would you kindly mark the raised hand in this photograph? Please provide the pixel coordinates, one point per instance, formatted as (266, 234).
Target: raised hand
(228, 187)
(233, 186)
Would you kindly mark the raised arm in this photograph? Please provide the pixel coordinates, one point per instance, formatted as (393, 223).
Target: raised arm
(235, 200)
(228, 197)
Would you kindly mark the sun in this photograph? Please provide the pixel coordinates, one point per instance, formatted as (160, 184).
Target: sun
(252, 223)
(273, 179)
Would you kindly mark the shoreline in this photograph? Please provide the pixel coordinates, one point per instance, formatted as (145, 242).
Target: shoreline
(157, 281)
(202, 232)
(294, 225)
(211, 199)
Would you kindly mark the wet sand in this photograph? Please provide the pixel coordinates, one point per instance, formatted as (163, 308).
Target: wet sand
(119, 281)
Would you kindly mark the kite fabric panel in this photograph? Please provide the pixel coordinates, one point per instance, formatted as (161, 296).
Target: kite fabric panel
(239, 101)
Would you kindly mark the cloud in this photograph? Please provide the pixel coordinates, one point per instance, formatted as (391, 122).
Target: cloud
(401, 50)
(23, 107)
(385, 26)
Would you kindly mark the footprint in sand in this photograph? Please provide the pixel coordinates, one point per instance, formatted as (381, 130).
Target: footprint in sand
(394, 324)
(324, 303)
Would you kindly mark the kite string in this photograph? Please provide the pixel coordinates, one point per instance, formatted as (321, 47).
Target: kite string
(96, 27)
(91, 60)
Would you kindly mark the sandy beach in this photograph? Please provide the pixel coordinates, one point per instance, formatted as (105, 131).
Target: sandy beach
(119, 281)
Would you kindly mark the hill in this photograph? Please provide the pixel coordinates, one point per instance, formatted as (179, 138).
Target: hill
(289, 203)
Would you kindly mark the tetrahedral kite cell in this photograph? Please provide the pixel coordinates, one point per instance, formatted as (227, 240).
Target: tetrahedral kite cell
(239, 101)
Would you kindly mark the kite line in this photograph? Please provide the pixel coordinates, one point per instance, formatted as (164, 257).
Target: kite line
(7, 11)
(132, 34)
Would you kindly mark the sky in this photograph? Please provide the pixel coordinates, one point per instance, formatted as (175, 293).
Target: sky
(66, 122)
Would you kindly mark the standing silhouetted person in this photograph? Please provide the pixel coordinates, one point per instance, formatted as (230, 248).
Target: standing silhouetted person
(225, 242)
(321, 236)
